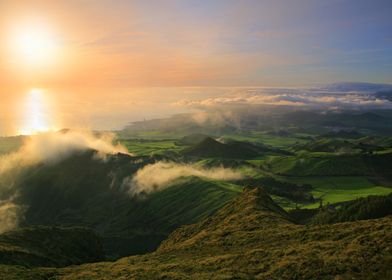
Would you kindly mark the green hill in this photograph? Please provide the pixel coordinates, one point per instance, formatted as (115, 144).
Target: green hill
(192, 139)
(343, 134)
(385, 142)
(332, 165)
(50, 246)
(327, 145)
(211, 148)
(319, 165)
(249, 238)
(84, 191)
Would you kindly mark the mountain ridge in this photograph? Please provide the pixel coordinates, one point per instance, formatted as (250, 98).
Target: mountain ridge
(249, 238)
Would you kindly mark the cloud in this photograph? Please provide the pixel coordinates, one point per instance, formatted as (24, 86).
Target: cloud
(53, 147)
(295, 97)
(159, 175)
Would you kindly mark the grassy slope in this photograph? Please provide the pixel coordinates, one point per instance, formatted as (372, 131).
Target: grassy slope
(151, 220)
(250, 237)
(83, 191)
(190, 199)
(268, 139)
(50, 246)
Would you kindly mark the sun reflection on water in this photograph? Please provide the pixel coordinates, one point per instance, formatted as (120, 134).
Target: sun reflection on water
(37, 113)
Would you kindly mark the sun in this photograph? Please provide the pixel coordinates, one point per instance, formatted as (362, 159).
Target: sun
(35, 46)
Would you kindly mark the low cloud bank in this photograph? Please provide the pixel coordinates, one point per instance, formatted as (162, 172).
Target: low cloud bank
(159, 175)
(53, 147)
(312, 98)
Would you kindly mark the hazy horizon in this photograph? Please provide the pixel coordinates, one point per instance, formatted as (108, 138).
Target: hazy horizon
(102, 64)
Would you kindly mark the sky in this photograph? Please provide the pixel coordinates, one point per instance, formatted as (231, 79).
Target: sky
(92, 56)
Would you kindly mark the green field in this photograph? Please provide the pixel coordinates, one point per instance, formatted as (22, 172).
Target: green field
(150, 147)
(338, 189)
(268, 139)
(251, 136)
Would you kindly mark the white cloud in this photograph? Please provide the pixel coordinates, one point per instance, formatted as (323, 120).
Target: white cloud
(316, 98)
(159, 175)
(53, 147)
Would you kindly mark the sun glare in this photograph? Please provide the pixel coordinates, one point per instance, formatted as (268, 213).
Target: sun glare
(35, 46)
(37, 117)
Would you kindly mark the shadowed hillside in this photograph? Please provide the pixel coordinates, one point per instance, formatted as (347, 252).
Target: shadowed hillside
(251, 237)
(84, 191)
(370, 207)
(50, 246)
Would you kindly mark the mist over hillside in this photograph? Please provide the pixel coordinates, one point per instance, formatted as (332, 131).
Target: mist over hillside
(72, 178)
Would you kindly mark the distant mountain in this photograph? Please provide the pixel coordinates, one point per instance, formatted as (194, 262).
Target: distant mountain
(357, 87)
(386, 94)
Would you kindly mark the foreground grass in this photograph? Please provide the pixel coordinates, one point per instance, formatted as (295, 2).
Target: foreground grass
(250, 238)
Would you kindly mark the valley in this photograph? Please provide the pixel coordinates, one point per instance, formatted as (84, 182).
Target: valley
(205, 206)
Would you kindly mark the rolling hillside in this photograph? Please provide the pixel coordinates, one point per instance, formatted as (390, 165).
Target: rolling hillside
(84, 191)
(251, 237)
(332, 165)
